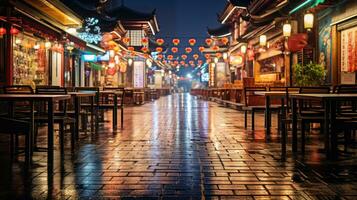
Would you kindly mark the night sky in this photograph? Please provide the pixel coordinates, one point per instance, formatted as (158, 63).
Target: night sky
(181, 18)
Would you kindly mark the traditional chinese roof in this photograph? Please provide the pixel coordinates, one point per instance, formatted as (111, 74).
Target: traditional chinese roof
(110, 17)
(232, 8)
(87, 8)
(221, 31)
(132, 19)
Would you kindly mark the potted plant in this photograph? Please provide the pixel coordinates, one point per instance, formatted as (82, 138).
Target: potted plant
(309, 75)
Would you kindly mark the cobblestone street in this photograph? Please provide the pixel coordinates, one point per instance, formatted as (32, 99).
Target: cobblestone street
(180, 147)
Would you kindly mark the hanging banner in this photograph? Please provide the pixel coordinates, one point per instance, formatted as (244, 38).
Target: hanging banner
(349, 50)
(139, 71)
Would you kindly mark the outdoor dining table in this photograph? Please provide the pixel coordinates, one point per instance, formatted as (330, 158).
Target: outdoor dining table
(50, 99)
(115, 94)
(77, 108)
(275, 95)
(329, 101)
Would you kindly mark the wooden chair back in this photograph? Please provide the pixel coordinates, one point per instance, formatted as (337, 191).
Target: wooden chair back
(251, 99)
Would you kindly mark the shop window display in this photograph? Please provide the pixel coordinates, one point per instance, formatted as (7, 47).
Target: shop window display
(29, 61)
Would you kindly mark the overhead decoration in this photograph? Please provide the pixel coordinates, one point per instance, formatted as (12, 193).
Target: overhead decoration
(192, 41)
(176, 41)
(184, 56)
(215, 48)
(209, 41)
(182, 62)
(2, 31)
(218, 55)
(224, 40)
(14, 31)
(199, 62)
(111, 71)
(126, 40)
(146, 55)
(159, 56)
(207, 56)
(170, 57)
(144, 49)
(297, 42)
(131, 48)
(159, 49)
(174, 49)
(201, 49)
(160, 41)
(188, 49)
(144, 41)
(195, 56)
(91, 31)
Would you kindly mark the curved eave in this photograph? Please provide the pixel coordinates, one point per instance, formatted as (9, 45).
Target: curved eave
(231, 8)
(223, 31)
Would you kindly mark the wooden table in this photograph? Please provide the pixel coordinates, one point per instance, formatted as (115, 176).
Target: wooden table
(77, 108)
(329, 101)
(115, 93)
(275, 95)
(50, 99)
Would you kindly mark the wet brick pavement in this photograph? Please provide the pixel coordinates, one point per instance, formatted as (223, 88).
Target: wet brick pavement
(179, 147)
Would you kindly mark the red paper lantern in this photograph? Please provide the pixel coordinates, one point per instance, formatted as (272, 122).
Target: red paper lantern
(159, 56)
(225, 40)
(218, 55)
(2, 31)
(111, 71)
(170, 57)
(131, 48)
(176, 62)
(146, 55)
(144, 49)
(184, 56)
(207, 56)
(199, 62)
(195, 56)
(174, 49)
(209, 41)
(176, 41)
(14, 31)
(160, 41)
(297, 42)
(215, 48)
(192, 42)
(201, 49)
(188, 50)
(182, 62)
(159, 49)
(145, 41)
(126, 40)
(191, 62)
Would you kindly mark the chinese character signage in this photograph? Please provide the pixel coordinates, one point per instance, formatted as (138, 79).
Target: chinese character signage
(349, 50)
(139, 71)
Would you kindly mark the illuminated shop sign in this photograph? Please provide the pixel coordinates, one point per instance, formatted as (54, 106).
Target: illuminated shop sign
(90, 58)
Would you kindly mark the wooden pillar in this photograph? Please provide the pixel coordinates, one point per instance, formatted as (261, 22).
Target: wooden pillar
(335, 69)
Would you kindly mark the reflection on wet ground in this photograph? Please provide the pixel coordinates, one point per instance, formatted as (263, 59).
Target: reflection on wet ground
(181, 148)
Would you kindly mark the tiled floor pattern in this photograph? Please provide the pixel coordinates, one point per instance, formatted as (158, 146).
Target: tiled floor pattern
(179, 147)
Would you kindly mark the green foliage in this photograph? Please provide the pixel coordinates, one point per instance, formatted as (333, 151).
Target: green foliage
(308, 75)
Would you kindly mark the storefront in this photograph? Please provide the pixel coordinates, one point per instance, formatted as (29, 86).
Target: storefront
(337, 43)
(32, 45)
